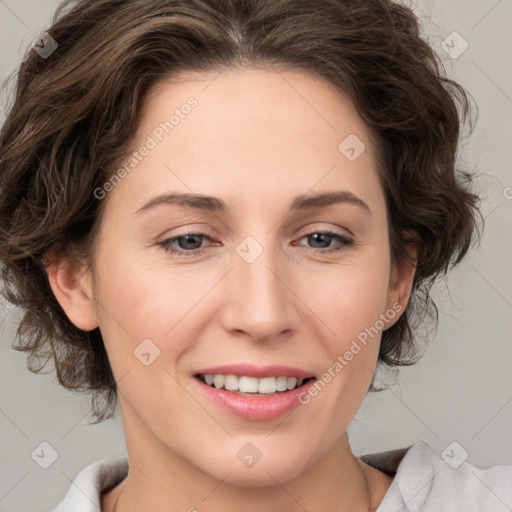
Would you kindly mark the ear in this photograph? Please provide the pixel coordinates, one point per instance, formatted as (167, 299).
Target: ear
(71, 284)
(400, 285)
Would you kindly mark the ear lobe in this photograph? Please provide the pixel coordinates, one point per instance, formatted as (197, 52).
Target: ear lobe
(72, 287)
(401, 282)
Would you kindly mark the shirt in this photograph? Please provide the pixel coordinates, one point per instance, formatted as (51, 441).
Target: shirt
(423, 481)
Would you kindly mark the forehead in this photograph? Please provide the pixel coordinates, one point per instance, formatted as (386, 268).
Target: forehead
(250, 133)
(266, 97)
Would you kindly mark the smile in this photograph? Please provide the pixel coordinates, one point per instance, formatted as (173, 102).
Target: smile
(252, 385)
(253, 393)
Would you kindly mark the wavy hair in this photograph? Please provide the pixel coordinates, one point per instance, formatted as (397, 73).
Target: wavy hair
(74, 114)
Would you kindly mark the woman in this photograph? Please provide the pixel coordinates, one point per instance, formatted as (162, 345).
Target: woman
(218, 213)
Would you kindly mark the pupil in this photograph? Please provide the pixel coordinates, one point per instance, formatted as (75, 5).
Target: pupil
(315, 236)
(188, 241)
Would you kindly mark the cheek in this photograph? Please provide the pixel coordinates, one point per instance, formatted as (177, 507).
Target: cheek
(350, 299)
(143, 299)
(142, 313)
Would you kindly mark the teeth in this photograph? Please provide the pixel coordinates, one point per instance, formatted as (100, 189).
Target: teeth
(291, 382)
(281, 384)
(231, 383)
(246, 384)
(267, 385)
(218, 381)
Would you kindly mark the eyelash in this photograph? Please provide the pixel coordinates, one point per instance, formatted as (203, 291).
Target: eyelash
(166, 244)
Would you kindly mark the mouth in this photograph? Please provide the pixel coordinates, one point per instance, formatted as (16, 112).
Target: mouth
(253, 393)
(246, 385)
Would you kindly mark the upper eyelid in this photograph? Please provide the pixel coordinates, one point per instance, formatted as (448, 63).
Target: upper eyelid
(314, 229)
(332, 231)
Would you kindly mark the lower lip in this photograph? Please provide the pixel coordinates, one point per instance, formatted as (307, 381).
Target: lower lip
(257, 408)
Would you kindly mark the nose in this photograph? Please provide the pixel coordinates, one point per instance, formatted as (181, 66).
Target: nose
(261, 304)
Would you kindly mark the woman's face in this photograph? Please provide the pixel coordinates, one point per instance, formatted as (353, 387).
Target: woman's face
(257, 285)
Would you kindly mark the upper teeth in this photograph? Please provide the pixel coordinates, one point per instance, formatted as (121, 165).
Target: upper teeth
(246, 384)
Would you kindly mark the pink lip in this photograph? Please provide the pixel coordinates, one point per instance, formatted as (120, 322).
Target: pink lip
(256, 371)
(258, 408)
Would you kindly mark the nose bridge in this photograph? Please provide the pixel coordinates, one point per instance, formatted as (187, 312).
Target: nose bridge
(261, 300)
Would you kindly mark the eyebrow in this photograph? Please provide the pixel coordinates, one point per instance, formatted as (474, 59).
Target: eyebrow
(214, 204)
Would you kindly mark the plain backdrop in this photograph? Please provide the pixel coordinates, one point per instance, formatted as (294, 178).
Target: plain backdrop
(460, 391)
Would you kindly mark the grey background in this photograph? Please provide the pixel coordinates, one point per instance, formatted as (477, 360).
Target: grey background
(461, 390)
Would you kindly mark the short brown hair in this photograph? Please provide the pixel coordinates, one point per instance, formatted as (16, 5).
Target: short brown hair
(75, 113)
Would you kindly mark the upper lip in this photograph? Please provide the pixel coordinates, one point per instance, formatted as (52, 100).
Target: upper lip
(249, 370)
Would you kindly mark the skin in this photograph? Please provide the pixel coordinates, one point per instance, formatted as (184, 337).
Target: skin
(257, 139)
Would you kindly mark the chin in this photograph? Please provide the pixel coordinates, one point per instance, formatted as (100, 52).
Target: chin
(256, 472)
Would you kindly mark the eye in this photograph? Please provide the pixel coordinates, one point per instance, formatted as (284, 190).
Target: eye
(190, 244)
(325, 237)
